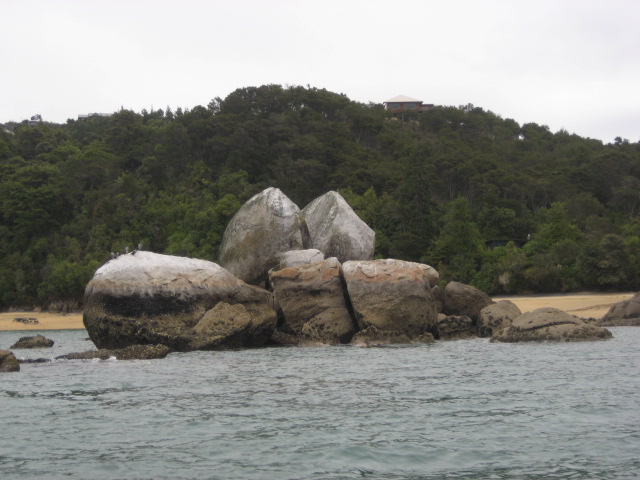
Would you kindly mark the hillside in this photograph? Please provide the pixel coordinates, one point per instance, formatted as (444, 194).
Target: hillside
(509, 208)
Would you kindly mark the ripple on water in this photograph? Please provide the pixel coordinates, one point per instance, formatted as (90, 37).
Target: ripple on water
(463, 409)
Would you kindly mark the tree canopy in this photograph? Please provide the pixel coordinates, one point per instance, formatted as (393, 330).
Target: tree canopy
(507, 207)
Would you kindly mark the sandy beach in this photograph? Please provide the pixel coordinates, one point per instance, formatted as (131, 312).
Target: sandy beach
(45, 321)
(586, 305)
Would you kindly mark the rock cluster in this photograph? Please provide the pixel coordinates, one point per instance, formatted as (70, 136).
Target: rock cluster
(269, 224)
(319, 286)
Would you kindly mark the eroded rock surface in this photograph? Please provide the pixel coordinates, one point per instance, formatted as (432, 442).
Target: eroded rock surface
(148, 298)
(336, 230)
(8, 362)
(391, 295)
(312, 300)
(37, 341)
(625, 313)
(461, 299)
(267, 225)
(497, 316)
(550, 325)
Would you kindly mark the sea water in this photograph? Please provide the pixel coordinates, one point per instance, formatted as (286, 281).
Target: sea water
(460, 409)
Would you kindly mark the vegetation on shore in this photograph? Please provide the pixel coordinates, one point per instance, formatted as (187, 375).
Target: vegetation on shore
(508, 208)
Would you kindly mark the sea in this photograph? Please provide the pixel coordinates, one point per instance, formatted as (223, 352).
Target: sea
(465, 409)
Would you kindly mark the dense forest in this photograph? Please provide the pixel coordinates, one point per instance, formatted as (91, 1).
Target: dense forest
(508, 208)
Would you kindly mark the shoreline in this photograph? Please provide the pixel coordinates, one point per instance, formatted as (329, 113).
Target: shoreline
(585, 304)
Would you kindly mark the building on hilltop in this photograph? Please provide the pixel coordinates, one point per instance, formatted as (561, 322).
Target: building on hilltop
(402, 103)
(89, 115)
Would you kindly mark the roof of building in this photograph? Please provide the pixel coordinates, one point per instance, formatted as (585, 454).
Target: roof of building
(402, 99)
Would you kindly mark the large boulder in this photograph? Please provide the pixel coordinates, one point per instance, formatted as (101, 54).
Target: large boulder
(461, 299)
(8, 362)
(147, 298)
(497, 316)
(550, 325)
(312, 300)
(37, 341)
(336, 230)
(264, 227)
(624, 313)
(391, 295)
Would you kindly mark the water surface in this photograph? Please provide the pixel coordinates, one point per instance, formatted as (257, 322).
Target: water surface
(461, 409)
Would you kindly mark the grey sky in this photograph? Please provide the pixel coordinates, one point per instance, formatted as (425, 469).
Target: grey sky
(572, 64)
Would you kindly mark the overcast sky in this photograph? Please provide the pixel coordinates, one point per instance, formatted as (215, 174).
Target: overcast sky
(568, 64)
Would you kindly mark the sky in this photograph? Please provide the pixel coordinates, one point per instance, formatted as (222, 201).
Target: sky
(567, 64)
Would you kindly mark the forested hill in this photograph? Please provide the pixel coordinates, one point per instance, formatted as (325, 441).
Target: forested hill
(449, 187)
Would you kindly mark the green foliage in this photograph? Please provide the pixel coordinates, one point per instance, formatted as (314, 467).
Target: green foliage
(458, 248)
(458, 187)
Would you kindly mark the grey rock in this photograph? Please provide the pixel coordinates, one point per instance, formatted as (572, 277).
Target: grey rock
(312, 300)
(550, 325)
(37, 341)
(497, 316)
(624, 313)
(267, 225)
(461, 299)
(149, 299)
(295, 258)
(8, 362)
(336, 230)
(391, 295)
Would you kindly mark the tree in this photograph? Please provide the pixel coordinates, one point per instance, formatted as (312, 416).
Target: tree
(458, 247)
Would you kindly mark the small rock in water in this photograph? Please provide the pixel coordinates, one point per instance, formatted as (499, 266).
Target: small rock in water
(33, 342)
(8, 362)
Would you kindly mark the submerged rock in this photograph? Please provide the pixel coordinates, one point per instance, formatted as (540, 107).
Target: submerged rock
(391, 295)
(374, 337)
(455, 327)
(132, 352)
(497, 316)
(551, 325)
(312, 300)
(148, 298)
(267, 225)
(37, 341)
(624, 313)
(336, 230)
(8, 362)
